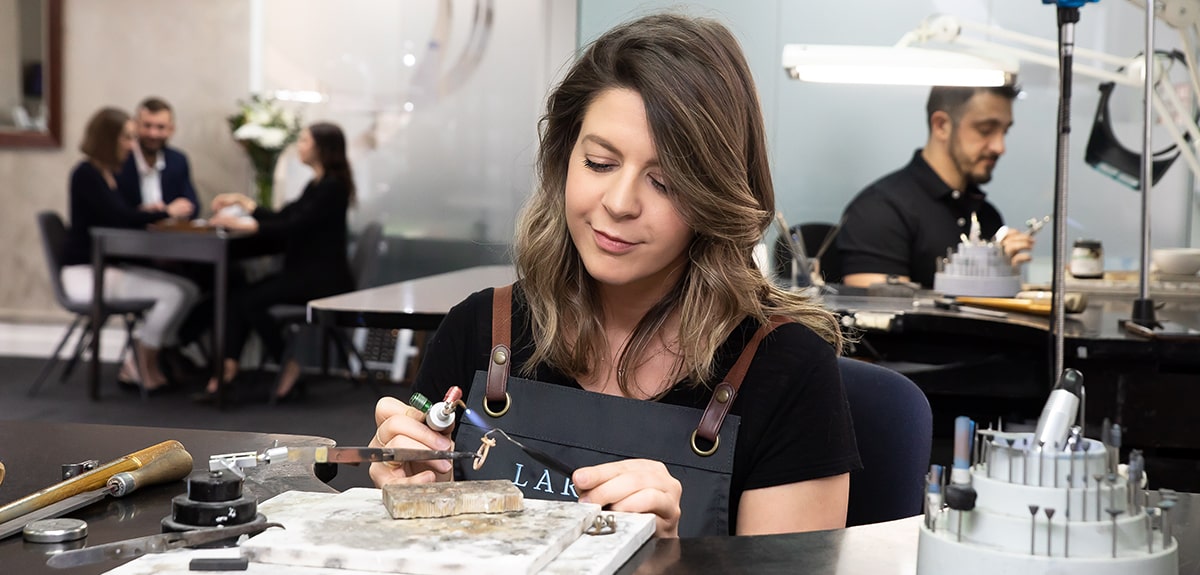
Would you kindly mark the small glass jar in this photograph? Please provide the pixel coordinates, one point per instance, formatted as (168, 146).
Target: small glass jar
(1087, 259)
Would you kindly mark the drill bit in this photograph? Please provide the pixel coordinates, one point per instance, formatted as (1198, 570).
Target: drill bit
(1033, 509)
(1049, 529)
(1113, 513)
(1149, 532)
(1056, 465)
(1067, 526)
(1041, 462)
(1010, 441)
(1165, 506)
(1025, 467)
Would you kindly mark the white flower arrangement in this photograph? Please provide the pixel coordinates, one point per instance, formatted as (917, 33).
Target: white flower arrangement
(263, 136)
(262, 122)
(264, 129)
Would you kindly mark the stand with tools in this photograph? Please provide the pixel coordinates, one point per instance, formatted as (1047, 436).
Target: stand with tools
(1050, 511)
(1047, 501)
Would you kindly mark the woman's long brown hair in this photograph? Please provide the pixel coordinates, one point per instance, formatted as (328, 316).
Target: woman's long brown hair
(707, 125)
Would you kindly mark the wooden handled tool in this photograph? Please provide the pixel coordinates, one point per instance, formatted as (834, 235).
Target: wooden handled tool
(1072, 303)
(1, 472)
(167, 461)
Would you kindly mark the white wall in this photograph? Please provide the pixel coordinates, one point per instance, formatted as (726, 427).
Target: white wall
(459, 164)
(829, 141)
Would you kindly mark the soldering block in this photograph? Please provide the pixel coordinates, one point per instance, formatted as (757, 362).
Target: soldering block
(449, 499)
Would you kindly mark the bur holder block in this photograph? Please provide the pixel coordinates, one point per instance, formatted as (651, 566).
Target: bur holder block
(978, 271)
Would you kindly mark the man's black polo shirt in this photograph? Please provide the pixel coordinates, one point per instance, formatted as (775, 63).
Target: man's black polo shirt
(903, 223)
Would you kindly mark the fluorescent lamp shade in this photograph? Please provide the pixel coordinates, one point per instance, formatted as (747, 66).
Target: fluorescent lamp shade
(892, 65)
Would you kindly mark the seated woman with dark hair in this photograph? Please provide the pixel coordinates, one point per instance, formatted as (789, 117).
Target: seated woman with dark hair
(313, 230)
(95, 202)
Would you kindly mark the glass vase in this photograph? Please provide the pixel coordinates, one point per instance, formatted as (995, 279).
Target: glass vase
(264, 188)
(264, 161)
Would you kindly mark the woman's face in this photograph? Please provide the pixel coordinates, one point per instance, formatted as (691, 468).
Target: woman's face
(306, 149)
(126, 141)
(621, 219)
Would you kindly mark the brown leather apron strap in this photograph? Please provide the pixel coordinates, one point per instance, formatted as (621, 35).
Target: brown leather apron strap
(726, 391)
(497, 376)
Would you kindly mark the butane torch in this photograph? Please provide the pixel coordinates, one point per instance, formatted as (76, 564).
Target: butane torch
(439, 416)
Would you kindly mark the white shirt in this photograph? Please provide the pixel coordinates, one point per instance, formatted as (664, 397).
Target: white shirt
(151, 177)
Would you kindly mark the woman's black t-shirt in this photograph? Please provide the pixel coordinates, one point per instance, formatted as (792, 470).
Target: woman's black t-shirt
(795, 419)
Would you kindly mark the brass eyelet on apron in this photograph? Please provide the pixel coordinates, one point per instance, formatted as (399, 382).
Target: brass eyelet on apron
(700, 452)
(507, 404)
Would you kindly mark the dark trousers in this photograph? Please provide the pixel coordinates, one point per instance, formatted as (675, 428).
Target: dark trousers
(248, 311)
(200, 319)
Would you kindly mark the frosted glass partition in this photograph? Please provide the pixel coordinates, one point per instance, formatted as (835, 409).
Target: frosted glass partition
(829, 141)
(439, 100)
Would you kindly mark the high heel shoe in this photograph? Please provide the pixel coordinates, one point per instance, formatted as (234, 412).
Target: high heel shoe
(127, 377)
(210, 395)
(296, 394)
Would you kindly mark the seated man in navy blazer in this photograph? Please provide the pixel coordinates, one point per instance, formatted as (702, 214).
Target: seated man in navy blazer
(155, 175)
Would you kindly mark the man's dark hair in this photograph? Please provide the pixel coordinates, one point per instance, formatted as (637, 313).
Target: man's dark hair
(952, 99)
(155, 105)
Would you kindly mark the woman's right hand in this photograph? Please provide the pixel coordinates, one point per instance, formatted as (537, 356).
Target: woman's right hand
(225, 200)
(636, 486)
(400, 425)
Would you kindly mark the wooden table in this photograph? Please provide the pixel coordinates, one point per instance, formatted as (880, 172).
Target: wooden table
(193, 246)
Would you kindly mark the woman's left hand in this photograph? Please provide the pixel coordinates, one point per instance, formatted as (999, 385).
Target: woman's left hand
(238, 223)
(636, 486)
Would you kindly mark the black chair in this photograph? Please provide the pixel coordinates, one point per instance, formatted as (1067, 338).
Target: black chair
(363, 264)
(894, 428)
(54, 240)
(815, 236)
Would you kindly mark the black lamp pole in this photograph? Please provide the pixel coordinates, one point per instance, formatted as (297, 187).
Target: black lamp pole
(1067, 17)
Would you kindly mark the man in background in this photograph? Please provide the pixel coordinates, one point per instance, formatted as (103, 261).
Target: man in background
(156, 175)
(902, 224)
(153, 177)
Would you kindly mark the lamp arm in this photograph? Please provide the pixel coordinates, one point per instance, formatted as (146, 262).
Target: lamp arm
(1185, 149)
(1051, 61)
(948, 29)
(1040, 43)
(1189, 50)
(1177, 107)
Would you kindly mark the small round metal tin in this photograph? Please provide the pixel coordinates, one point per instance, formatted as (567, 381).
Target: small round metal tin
(55, 530)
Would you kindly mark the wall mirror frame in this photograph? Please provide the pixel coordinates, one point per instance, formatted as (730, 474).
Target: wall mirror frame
(51, 137)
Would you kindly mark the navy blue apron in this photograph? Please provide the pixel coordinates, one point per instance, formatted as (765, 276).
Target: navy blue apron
(582, 428)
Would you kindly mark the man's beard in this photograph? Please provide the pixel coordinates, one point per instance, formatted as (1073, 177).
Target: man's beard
(966, 165)
(152, 149)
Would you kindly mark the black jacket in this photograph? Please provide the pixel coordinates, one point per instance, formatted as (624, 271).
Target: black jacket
(313, 232)
(176, 179)
(94, 204)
